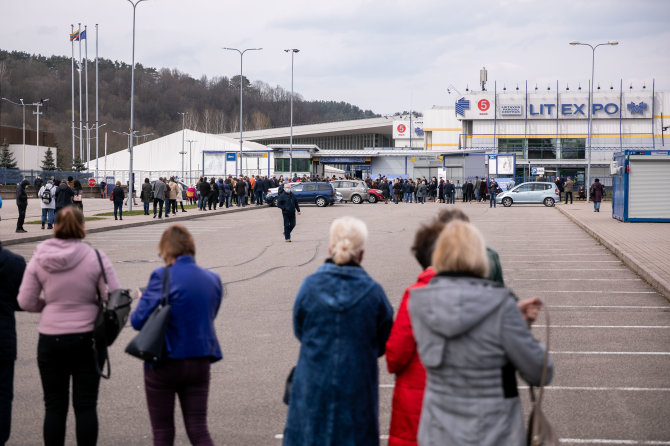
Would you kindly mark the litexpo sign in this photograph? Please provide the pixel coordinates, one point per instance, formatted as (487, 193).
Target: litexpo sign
(402, 129)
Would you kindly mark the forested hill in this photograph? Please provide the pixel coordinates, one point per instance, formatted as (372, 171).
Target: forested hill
(160, 94)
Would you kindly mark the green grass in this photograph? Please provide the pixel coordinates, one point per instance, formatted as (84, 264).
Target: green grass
(141, 211)
(39, 222)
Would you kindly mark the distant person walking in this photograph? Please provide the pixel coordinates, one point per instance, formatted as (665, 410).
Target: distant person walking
(493, 191)
(22, 204)
(77, 198)
(568, 189)
(146, 195)
(288, 204)
(159, 197)
(342, 319)
(597, 193)
(117, 196)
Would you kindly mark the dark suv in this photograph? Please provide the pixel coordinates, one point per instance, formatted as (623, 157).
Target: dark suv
(321, 194)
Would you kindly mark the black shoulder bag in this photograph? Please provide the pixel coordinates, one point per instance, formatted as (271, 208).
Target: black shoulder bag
(149, 343)
(540, 432)
(112, 317)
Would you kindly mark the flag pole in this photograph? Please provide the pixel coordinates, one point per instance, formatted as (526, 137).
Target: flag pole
(88, 130)
(72, 45)
(81, 136)
(96, 102)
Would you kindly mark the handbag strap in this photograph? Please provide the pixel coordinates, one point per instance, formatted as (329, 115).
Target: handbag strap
(104, 276)
(543, 379)
(165, 289)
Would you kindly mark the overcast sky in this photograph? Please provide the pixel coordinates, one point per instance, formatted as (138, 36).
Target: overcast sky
(386, 56)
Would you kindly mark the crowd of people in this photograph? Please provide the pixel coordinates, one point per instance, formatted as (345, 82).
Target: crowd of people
(457, 340)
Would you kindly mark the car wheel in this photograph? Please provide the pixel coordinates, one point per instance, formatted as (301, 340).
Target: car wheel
(372, 199)
(356, 199)
(549, 202)
(321, 202)
(274, 201)
(507, 202)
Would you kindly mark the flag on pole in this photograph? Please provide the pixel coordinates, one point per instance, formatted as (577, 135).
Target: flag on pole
(82, 36)
(74, 36)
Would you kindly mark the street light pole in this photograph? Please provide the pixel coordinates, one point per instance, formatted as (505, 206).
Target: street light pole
(190, 157)
(183, 116)
(290, 150)
(132, 110)
(241, 89)
(590, 135)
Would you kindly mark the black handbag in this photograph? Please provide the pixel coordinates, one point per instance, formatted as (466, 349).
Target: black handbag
(112, 317)
(149, 343)
(540, 432)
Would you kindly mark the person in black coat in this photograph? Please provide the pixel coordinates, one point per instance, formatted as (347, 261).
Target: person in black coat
(241, 190)
(213, 193)
(12, 267)
(22, 204)
(204, 189)
(288, 204)
(118, 195)
(64, 195)
(449, 192)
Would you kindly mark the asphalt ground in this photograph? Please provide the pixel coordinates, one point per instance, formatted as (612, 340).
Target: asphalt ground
(610, 331)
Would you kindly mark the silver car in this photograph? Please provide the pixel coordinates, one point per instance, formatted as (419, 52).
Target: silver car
(355, 191)
(529, 193)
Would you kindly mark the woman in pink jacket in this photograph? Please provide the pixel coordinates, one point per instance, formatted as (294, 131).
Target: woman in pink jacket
(62, 281)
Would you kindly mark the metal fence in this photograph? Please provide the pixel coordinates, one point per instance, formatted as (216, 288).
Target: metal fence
(15, 176)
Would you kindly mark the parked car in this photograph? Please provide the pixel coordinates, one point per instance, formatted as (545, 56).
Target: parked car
(529, 193)
(321, 194)
(375, 195)
(355, 191)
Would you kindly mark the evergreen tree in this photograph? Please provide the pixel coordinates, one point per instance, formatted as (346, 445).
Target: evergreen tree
(78, 165)
(60, 162)
(7, 160)
(48, 163)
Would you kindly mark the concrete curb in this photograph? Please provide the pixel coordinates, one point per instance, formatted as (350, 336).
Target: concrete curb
(39, 238)
(654, 280)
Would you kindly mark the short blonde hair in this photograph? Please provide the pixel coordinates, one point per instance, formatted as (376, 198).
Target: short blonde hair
(460, 248)
(347, 239)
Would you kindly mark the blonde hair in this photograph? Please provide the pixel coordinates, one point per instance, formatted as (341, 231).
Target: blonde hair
(460, 248)
(347, 238)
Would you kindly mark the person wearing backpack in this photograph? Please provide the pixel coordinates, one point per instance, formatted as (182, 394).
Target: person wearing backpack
(47, 203)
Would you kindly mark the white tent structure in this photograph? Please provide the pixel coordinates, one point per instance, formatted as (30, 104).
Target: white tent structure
(161, 157)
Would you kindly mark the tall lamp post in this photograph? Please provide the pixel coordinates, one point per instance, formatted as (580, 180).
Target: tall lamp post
(23, 105)
(183, 117)
(132, 110)
(190, 157)
(290, 150)
(241, 88)
(590, 136)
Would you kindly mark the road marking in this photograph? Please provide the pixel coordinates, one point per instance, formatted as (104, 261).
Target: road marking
(612, 353)
(563, 261)
(590, 291)
(603, 441)
(566, 269)
(602, 326)
(599, 252)
(281, 437)
(605, 389)
(624, 307)
(590, 280)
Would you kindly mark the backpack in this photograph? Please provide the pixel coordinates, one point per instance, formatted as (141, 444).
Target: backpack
(46, 196)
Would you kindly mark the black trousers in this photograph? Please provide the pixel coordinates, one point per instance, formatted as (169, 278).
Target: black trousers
(566, 197)
(61, 358)
(22, 216)
(289, 224)
(159, 202)
(6, 398)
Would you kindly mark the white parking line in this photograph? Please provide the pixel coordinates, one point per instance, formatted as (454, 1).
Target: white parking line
(566, 269)
(542, 292)
(577, 388)
(604, 441)
(602, 326)
(562, 261)
(570, 254)
(581, 280)
(620, 307)
(612, 353)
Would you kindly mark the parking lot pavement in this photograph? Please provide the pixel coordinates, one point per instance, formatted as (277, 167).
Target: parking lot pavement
(643, 247)
(610, 331)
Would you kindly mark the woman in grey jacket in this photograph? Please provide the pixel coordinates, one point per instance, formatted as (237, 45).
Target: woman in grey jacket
(472, 338)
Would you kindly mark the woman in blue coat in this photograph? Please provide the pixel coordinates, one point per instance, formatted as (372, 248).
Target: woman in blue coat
(191, 342)
(342, 319)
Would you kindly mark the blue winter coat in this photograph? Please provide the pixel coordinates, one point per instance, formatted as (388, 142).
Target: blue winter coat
(342, 319)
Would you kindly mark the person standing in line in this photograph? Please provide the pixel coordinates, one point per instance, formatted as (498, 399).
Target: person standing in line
(159, 197)
(103, 189)
(213, 193)
(38, 185)
(192, 345)
(62, 282)
(240, 189)
(117, 196)
(47, 203)
(78, 197)
(493, 191)
(342, 319)
(228, 192)
(560, 186)
(168, 191)
(568, 190)
(288, 204)
(146, 195)
(421, 191)
(190, 194)
(64, 196)
(449, 192)
(471, 338)
(22, 204)
(204, 193)
(597, 194)
(222, 192)
(180, 196)
(12, 267)
(478, 185)
(172, 195)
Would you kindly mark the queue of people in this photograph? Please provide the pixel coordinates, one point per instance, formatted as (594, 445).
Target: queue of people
(458, 339)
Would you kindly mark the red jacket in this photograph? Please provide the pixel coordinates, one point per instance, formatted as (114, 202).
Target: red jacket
(402, 359)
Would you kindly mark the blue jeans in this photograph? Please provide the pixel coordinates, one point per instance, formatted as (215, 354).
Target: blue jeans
(477, 194)
(596, 206)
(167, 206)
(492, 200)
(118, 206)
(229, 201)
(259, 197)
(146, 208)
(48, 216)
